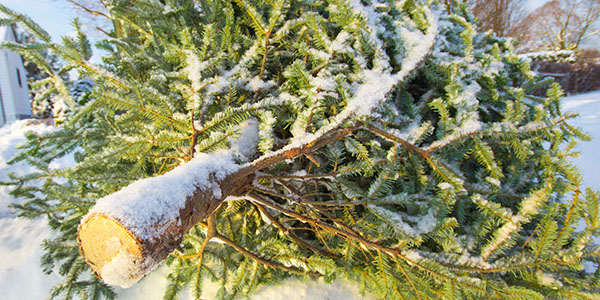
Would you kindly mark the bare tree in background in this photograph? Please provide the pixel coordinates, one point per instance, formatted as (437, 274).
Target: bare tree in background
(94, 15)
(561, 24)
(500, 16)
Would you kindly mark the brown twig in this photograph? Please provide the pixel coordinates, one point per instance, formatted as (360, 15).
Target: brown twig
(262, 260)
(395, 139)
(264, 58)
(247, 253)
(299, 177)
(90, 11)
(317, 222)
(293, 190)
(292, 152)
(290, 234)
(211, 230)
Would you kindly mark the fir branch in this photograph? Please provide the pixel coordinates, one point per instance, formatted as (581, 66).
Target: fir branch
(292, 150)
(291, 235)
(356, 238)
(264, 261)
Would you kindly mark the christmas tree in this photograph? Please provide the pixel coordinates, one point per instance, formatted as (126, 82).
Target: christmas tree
(386, 142)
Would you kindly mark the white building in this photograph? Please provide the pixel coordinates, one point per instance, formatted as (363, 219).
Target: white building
(14, 93)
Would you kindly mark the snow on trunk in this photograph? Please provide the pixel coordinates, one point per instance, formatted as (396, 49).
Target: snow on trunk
(128, 233)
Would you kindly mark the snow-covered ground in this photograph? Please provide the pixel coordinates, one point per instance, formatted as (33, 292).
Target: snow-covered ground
(588, 106)
(20, 273)
(21, 277)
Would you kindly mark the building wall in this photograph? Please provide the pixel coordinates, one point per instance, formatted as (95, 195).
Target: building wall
(13, 83)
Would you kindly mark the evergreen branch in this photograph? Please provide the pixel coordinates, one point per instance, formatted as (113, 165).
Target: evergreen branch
(299, 195)
(495, 209)
(532, 264)
(185, 138)
(291, 235)
(294, 150)
(262, 260)
(357, 238)
(358, 149)
(45, 37)
(210, 233)
(381, 184)
(544, 235)
(392, 138)
(407, 278)
(504, 233)
(521, 293)
(251, 11)
(382, 272)
(497, 130)
(568, 218)
(533, 232)
(264, 58)
(232, 115)
(445, 173)
(267, 41)
(28, 22)
(142, 109)
(486, 157)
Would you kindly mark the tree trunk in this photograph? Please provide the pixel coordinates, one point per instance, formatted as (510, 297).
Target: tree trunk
(127, 238)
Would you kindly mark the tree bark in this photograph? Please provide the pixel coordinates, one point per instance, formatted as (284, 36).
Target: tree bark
(119, 256)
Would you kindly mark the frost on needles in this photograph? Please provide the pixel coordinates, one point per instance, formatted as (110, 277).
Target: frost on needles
(392, 144)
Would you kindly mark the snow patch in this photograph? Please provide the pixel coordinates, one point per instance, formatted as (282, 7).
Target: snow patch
(423, 224)
(20, 252)
(294, 289)
(445, 186)
(493, 181)
(547, 279)
(247, 141)
(168, 9)
(256, 84)
(122, 270)
(12, 136)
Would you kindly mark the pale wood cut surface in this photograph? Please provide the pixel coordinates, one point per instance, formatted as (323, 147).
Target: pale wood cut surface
(102, 238)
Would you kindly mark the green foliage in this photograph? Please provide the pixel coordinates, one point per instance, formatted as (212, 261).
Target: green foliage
(438, 176)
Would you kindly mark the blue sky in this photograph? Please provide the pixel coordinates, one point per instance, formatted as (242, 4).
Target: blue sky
(54, 16)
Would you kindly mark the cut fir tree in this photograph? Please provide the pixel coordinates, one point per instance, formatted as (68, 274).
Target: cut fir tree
(386, 142)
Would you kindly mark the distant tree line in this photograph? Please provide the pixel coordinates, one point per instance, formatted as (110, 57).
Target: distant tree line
(556, 25)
